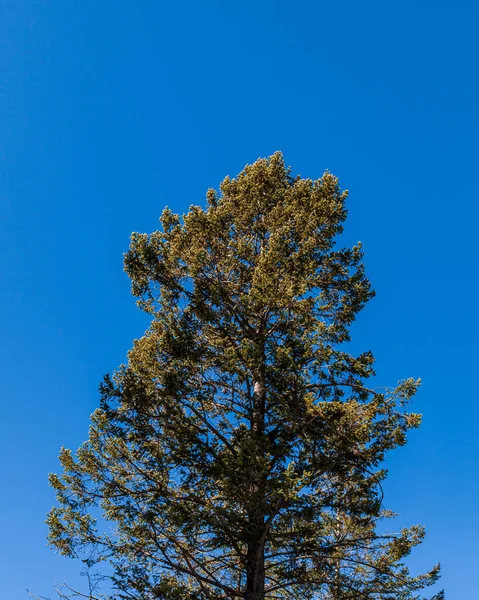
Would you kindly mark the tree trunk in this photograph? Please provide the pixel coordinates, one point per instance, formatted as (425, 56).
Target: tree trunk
(255, 579)
(255, 575)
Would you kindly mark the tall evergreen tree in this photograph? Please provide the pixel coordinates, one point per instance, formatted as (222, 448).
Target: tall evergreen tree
(239, 453)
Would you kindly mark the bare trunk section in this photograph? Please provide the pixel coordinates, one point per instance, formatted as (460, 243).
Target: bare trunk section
(255, 575)
(257, 424)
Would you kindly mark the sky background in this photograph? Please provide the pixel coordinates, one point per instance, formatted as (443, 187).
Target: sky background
(110, 110)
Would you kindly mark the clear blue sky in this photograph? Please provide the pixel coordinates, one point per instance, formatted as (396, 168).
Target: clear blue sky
(111, 109)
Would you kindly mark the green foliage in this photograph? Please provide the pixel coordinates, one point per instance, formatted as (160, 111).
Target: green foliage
(239, 452)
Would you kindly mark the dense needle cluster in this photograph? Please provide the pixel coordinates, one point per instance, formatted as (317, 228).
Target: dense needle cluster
(238, 454)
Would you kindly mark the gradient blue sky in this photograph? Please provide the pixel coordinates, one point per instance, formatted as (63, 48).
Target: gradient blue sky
(111, 110)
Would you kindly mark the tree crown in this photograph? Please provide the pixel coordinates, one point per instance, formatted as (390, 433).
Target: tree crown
(239, 452)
